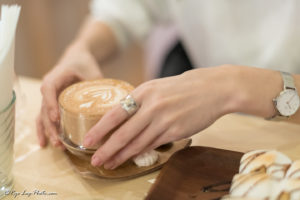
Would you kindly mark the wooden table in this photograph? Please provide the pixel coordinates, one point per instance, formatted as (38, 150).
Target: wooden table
(49, 170)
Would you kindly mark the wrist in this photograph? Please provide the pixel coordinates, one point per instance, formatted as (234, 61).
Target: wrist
(254, 90)
(233, 96)
(79, 60)
(77, 47)
(97, 38)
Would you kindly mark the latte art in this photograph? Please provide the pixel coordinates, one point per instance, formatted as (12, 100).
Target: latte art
(94, 97)
(99, 96)
(83, 104)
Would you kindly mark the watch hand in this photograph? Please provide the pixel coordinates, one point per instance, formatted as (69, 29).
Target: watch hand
(291, 98)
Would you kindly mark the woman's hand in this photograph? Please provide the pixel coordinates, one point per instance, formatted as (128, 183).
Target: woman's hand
(170, 109)
(75, 65)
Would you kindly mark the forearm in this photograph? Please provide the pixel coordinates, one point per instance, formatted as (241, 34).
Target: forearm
(96, 37)
(255, 89)
(94, 43)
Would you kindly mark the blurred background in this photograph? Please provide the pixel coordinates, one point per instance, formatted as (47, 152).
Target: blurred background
(46, 27)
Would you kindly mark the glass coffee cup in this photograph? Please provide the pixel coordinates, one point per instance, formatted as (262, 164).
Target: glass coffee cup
(82, 105)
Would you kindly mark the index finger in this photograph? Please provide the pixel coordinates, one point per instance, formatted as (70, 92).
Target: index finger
(107, 123)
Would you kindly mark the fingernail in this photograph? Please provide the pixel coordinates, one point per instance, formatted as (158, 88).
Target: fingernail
(87, 141)
(96, 161)
(108, 166)
(113, 167)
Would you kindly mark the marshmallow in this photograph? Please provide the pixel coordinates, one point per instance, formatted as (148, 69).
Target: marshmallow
(294, 170)
(271, 162)
(266, 174)
(146, 159)
(255, 185)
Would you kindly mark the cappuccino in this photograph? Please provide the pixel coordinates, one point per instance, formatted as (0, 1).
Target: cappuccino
(83, 104)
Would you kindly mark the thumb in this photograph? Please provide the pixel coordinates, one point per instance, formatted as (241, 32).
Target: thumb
(52, 85)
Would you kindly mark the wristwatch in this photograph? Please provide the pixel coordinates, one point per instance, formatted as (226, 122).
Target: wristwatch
(287, 102)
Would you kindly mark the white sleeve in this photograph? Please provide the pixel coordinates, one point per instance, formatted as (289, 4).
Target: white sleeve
(129, 19)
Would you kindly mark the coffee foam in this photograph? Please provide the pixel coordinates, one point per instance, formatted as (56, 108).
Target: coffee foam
(83, 104)
(94, 97)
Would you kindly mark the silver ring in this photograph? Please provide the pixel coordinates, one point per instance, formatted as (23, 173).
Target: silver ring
(129, 105)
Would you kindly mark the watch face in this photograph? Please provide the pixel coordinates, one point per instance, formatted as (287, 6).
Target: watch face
(288, 102)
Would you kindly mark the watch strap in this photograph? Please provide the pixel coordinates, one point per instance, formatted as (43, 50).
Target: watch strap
(277, 117)
(288, 81)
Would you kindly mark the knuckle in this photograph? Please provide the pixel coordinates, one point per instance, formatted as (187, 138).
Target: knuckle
(50, 106)
(114, 118)
(177, 129)
(45, 88)
(175, 132)
(119, 159)
(102, 153)
(45, 78)
(121, 139)
(157, 106)
(147, 88)
(135, 148)
(165, 123)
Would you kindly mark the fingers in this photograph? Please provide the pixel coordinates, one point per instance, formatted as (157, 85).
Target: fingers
(50, 98)
(136, 146)
(76, 64)
(50, 128)
(41, 131)
(66, 78)
(50, 89)
(120, 138)
(48, 120)
(107, 123)
(171, 135)
(161, 140)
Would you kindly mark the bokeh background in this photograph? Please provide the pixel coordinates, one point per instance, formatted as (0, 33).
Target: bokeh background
(45, 29)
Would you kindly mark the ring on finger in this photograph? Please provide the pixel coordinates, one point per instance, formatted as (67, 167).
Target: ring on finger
(129, 105)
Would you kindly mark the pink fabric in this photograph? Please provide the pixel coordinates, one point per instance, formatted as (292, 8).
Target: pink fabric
(157, 46)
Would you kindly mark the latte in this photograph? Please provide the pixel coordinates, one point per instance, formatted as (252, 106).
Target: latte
(83, 104)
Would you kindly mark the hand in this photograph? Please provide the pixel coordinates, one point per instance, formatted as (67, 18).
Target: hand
(76, 64)
(170, 109)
